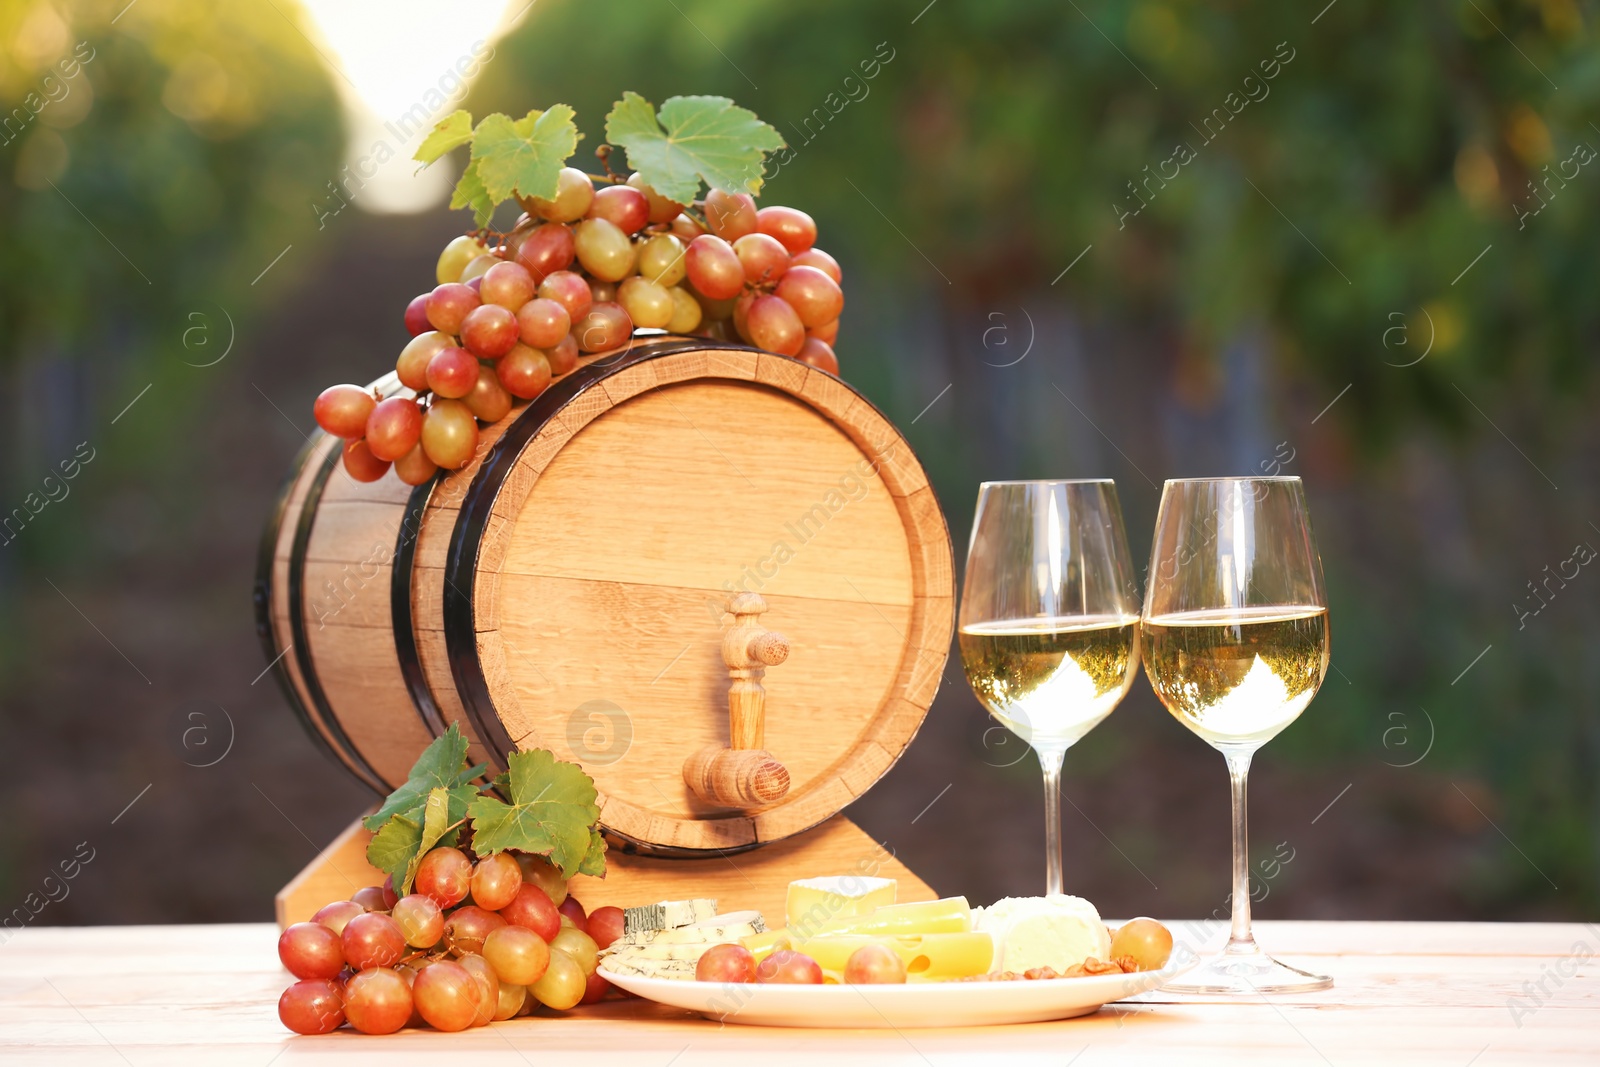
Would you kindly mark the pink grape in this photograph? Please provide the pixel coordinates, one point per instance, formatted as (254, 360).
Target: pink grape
(763, 258)
(377, 1001)
(372, 940)
(730, 215)
(773, 325)
(714, 268)
(524, 372)
(819, 354)
(563, 356)
(793, 228)
(450, 438)
(622, 205)
(313, 1006)
(489, 401)
(412, 366)
(574, 194)
(607, 326)
(495, 881)
(570, 291)
(507, 285)
(420, 919)
(342, 410)
(466, 927)
(417, 315)
(311, 950)
(446, 996)
(542, 322)
(532, 908)
(605, 925)
(452, 372)
(363, 466)
(517, 954)
(661, 209)
(415, 467)
(392, 431)
(449, 304)
(334, 916)
(730, 962)
(488, 332)
(815, 297)
(548, 249)
(816, 257)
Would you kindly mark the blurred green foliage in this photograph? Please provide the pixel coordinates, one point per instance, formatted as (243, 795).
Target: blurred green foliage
(156, 181)
(1392, 144)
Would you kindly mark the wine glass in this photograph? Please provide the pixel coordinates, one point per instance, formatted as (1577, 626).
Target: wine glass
(1049, 620)
(1235, 627)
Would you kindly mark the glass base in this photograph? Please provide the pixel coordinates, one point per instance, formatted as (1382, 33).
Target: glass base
(1247, 974)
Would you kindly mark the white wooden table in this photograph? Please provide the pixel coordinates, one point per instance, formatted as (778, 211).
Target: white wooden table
(1434, 993)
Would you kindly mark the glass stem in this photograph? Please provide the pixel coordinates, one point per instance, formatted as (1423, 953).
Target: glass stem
(1240, 941)
(1050, 763)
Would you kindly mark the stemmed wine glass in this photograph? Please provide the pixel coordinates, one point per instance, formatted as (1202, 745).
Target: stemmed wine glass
(1235, 627)
(1049, 620)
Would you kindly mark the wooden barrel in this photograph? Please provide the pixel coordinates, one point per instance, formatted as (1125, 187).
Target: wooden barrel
(568, 588)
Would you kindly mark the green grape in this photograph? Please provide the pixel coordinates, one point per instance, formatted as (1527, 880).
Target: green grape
(661, 259)
(562, 985)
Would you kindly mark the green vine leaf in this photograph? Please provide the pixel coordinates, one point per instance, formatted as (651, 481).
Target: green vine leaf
(393, 849)
(552, 813)
(442, 764)
(451, 132)
(594, 860)
(469, 192)
(693, 137)
(525, 157)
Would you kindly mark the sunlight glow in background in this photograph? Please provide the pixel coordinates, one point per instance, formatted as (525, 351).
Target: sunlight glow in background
(388, 55)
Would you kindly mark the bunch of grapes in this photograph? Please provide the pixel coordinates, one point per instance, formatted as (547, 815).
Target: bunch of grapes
(578, 274)
(474, 943)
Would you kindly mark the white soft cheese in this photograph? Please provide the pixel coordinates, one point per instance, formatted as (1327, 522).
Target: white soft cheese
(1054, 931)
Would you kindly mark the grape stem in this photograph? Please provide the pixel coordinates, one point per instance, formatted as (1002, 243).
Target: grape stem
(603, 153)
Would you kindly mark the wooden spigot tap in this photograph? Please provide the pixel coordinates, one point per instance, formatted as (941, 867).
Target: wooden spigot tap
(744, 774)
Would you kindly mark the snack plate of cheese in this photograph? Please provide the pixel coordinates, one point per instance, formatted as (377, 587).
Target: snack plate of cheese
(848, 956)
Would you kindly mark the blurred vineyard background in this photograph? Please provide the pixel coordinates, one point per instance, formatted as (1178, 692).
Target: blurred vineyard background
(1375, 267)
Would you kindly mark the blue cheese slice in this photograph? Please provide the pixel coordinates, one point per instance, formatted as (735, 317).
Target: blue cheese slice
(713, 931)
(681, 970)
(666, 915)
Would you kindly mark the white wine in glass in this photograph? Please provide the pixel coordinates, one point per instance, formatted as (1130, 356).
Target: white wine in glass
(1235, 629)
(1049, 624)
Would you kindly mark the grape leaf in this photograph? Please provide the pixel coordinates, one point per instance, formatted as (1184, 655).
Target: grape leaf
(695, 137)
(454, 130)
(594, 860)
(442, 763)
(470, 192)
(524, 157)
(552, 812)
(394, 848)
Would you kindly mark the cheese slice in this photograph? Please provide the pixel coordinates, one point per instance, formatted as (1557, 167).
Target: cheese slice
(948, 916)
(812, 901)
(666, 915)
(1054, 931)
(928, 957)
(713, 931)
(682, 970)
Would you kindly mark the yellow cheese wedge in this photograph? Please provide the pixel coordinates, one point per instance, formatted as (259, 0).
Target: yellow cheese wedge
(928, 957)
(813, 901)
(950, 915)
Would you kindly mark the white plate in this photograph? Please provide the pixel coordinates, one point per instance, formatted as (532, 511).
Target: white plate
(920, 1004)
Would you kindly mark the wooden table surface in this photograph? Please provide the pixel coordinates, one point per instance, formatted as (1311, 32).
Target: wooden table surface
(1435, 993)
